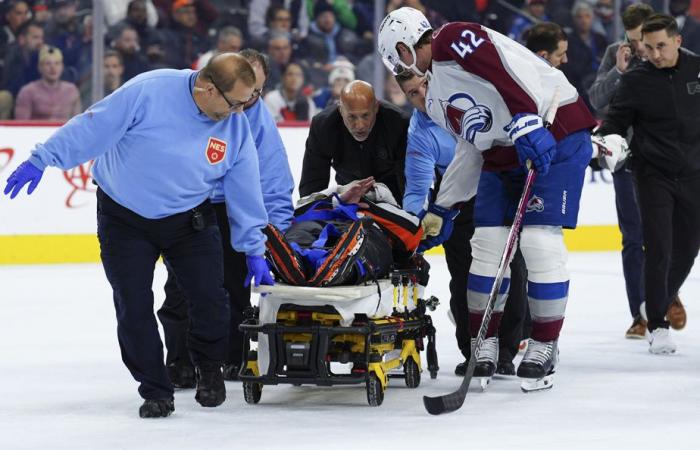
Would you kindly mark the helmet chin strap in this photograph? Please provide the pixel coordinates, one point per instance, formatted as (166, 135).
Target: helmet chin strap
(413, 66)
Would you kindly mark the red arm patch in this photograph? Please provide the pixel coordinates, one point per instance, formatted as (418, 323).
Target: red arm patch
(469, 45)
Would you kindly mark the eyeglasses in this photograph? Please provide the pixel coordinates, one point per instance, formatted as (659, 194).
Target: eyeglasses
(232, 106)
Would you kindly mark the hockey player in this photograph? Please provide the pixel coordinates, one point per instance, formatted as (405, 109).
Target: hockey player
(430, 149)
(492, 92)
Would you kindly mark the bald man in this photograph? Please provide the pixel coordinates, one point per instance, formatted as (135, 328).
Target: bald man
(359, 137)
(161, 143)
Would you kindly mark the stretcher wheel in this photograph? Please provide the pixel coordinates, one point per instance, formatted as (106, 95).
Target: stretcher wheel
(375, 393)
(412, 373)
(251, 391)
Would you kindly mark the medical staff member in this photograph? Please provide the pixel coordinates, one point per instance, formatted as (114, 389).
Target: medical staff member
(161, 143)
(277, 186)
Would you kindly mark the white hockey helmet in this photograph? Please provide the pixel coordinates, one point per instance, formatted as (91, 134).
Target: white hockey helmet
(405, 25)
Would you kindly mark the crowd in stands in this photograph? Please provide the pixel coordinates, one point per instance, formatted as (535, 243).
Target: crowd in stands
(315, 46)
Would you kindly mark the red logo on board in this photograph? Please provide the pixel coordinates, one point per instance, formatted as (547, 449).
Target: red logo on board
(6, 155)
(216, 150)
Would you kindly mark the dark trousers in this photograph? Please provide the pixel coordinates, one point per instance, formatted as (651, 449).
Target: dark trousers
(630, 224)
(670, 210)
(458, 254)
(173, 314)
(130, 245)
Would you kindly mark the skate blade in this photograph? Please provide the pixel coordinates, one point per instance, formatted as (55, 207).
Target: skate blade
(662, 351)
(484, 382)
(533, 385)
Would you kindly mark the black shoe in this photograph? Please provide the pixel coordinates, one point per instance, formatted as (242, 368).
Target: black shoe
(211, 390)
(231, 372)
(461, 368)
(506, 368)
(181, 376)
(157, 408)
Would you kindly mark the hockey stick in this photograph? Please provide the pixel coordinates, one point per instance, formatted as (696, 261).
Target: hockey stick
(454, 400)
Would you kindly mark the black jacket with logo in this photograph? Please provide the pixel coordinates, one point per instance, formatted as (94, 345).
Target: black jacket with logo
(663, 108)
(381, 155)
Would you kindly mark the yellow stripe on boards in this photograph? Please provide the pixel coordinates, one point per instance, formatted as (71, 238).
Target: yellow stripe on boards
(49, 249)
(585, 238)
(83, 248)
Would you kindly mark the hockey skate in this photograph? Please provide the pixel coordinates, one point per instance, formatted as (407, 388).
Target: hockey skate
(537, 366)
(486, 361)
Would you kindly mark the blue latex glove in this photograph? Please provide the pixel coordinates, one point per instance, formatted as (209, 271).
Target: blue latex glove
(25, 173)
(533, 141)
(447, 216)
(258, 269)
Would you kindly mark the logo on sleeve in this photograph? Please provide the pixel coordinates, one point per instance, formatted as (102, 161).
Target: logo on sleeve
(464, 117)
(216, 150)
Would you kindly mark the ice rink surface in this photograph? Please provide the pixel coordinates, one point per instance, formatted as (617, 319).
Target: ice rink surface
(63, 385)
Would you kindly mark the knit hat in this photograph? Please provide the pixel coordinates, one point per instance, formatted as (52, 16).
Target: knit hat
(342, 69)
(177, 4)
(322, 6)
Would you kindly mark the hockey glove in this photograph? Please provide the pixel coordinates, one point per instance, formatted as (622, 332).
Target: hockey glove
(532, 141)
(25, 173)
(258, 269)
(611, 151)
(437, 225)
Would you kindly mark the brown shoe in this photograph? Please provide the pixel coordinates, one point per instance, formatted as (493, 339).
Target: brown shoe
(638, 329)
(676, 314)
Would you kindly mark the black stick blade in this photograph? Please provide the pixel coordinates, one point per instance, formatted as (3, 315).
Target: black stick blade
(443, 404)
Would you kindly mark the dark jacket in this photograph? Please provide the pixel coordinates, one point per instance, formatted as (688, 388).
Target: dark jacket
(330, 144)
(607, 79)
(663, 108)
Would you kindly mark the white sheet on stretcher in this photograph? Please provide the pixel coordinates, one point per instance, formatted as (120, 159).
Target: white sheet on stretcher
(347, 300)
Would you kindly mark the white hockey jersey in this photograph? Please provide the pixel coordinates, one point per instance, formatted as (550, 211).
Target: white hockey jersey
(478, 81)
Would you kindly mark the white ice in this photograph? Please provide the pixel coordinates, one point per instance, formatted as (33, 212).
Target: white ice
(63, 385)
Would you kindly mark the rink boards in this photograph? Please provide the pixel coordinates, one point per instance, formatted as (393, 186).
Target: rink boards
(57, 223)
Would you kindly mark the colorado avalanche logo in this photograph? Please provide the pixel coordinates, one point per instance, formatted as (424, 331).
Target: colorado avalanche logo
(465, 117)
(536, 204)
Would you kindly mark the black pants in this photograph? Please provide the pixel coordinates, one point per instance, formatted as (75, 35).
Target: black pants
(173, 314)
(630, 224)
(670, 210)
(458, 253)
(130, 245)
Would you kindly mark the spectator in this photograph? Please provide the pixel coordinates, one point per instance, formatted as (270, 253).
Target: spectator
(23, 58)
(48, 98)
(141, 11)
(343, 73)
(184, 42)
(586, 48)
(15, 14)
(205, 10)
(127, 45)
(290, 101)
(689, 26)
(113, 77)
(65, 31)
(137, 17)
(288, 17)
(604, 21)
(41, 11)
(230, 39)
(548, 41)
(534, 10)
(342, 10)
(395, 95)
(279, 48)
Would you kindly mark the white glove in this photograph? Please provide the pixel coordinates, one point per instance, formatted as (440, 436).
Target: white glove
(432, 224)
(611, 150)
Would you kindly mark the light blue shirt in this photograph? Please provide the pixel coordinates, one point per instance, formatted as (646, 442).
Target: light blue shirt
(429, 147)
(275, 175)
(156, 154)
